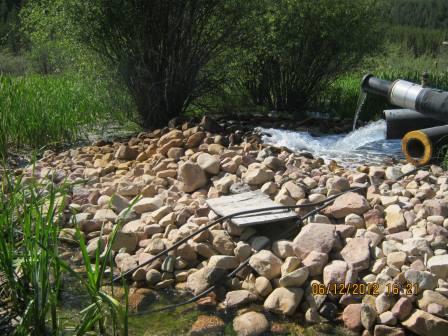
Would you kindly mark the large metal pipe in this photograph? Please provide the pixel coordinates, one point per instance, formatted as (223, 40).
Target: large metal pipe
(401, 121)
(432, 103)
(419, 147)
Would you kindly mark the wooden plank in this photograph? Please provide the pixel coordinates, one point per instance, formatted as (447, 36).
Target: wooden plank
(227, 205)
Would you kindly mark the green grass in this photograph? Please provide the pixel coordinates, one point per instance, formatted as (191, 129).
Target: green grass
(37, 110)
(31, 214)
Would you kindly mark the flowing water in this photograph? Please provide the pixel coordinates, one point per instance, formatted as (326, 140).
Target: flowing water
(366, 145)
(361, 101)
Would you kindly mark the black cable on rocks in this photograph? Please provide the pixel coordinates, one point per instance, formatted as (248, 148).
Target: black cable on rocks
(246, 212)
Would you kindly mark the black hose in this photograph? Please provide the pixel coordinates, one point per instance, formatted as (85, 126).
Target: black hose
(246, 212)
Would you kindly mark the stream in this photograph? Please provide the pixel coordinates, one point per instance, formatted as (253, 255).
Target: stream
(366, 145)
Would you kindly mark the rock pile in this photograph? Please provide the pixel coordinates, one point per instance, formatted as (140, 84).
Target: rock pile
(377, 260)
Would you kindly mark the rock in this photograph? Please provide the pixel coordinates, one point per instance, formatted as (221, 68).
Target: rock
(383, 330)
(284, 300)
(263, 286)
(383, 302)
(202, 279)
(238, 298)
(194, 140)
(425, 324)
(126, 153)
(192, 176)
(402, 308)
(208, 163)
(395, 220)
(295, 278)
(439, 266)
(258, 176)
(290, 264)
(314, 237)
(337, 184)
(315, 262)
(266, 264)
(334, 272)
(355, 220)
(396, 259)
(242, 251)
(436, 207)
(147, 204)
(223, 243)
(126, 240)
(105, 215)
(223, 261)
(224, 184)
(352, 317)
(429, 297)
(347, 204)
(250, 324)
(357, 254)
(153, 277)
(141, 299)
(393, 173)
(96, 245)
(295, 191)
(368, 316)
(283, 248)
(423, 280)
(207, 325)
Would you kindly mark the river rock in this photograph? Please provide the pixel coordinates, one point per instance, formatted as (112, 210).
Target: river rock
(357, 254)
(295, 278)
(266, 264)
(206, 325)
(314, 237)
(425, 324)
(346, 204)
(352, 317)
(223, 261)
(263, 286)
(284, 300)
(192, 176)
(250, 324)
(239, 298)
(208, 163)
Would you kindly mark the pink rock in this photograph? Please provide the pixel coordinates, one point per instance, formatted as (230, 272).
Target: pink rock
(402, 308)
(314, 237)
(352, 317)
(348, 203)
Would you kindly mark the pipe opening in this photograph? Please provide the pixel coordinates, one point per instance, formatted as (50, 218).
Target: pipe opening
(415, 148)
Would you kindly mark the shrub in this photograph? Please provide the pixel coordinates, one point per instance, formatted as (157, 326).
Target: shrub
(302, 46)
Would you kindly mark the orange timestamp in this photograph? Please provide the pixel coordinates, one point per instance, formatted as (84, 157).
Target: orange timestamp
(371, 288)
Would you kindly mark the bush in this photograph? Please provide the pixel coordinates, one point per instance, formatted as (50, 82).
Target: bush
(161, 48)
(302, 46)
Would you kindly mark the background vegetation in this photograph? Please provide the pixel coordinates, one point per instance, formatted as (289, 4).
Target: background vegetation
(69, 65)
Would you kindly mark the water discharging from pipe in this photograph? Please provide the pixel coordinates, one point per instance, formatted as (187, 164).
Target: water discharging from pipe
(366, 145)
(361, 101)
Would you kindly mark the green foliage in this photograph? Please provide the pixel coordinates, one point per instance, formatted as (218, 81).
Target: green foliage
(417, 13)
(302, 46)
(31, 214)
(39, 110)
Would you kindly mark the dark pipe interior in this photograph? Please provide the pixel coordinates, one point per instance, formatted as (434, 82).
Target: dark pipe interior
(415, 148)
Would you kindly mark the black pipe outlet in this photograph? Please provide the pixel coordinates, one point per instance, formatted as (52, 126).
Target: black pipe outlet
(371, 84)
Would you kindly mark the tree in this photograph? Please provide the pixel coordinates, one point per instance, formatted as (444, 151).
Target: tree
(161, 48)
(302, 46)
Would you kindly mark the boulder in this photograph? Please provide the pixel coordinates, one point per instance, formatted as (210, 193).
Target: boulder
(314, 237)
(250, 324)
(425, 324)
(284, 300)
(192, 176)
(266, 264)
(347, 204)
(357, 254)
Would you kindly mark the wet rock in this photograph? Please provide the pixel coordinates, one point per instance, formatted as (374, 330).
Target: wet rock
(250, 324)
(284, 300)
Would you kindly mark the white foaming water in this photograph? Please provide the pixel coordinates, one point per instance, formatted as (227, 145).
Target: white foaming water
(366, 145)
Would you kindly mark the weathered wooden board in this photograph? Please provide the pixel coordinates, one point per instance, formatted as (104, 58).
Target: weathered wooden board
(227, 205)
